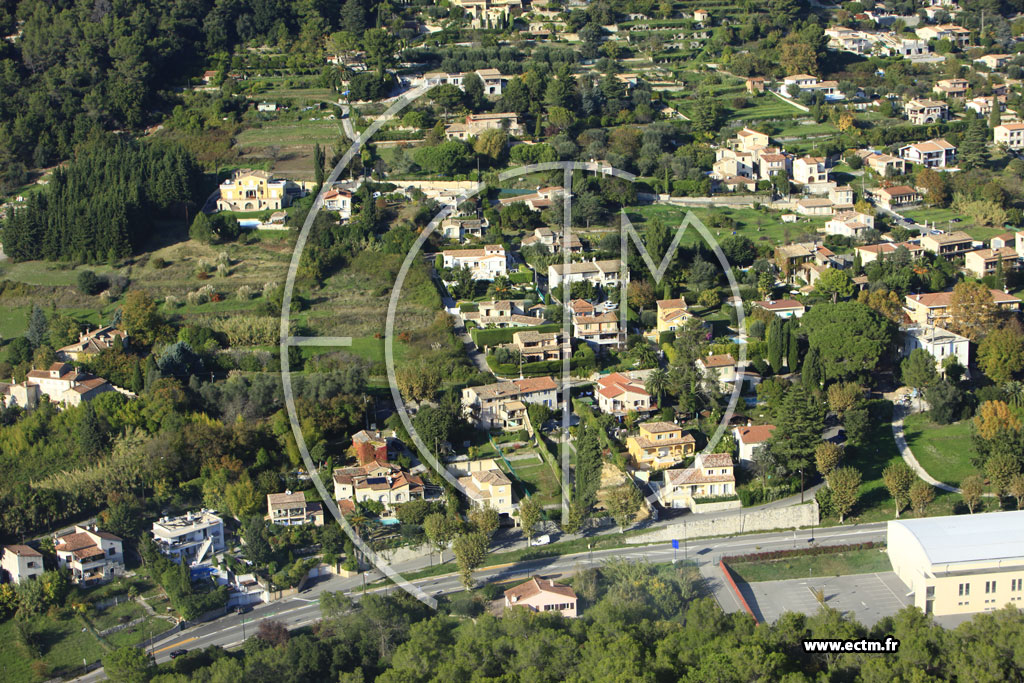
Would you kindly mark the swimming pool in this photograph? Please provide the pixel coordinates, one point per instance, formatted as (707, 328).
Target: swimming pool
(249, 223)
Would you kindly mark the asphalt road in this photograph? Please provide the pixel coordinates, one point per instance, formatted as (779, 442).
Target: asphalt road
(304, 608)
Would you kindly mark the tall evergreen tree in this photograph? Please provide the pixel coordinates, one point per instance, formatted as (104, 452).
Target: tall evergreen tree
(793, 354)
(88, 432)
(811, 373)
(799, 420)
(37, 326)
(318, 165)
(588, 469)
(974, 145)
(776, 343)
(353, 17)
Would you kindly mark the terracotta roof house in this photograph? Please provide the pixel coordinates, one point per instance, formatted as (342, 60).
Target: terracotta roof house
(618, 394)
(21, 562)
(784, 308)
(91, 555)
(543, 595)
(710, 477)
(91, 342)
(749, 437)
(291, 509)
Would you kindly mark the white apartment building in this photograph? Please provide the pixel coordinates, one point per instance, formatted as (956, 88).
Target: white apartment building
(940, 343)
(190, 537)
(1009, 134)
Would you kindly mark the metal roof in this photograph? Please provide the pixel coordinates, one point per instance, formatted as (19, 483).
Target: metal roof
(968, 538)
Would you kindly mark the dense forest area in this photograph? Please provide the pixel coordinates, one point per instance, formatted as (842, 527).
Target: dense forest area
(70, 65)
(103, 204)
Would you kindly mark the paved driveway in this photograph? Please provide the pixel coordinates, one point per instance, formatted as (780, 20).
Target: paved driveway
(867, 597)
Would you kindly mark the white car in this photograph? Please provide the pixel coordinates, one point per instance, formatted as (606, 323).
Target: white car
(541, 540)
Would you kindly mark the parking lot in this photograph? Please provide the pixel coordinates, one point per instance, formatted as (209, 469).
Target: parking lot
(867, 597)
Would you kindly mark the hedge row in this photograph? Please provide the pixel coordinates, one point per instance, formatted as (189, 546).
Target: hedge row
(520, 277)
(494, 337)
(799, 552)
(537, 368)
(715, 499)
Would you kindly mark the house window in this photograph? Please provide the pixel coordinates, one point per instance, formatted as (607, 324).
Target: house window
(965, 589)
(1016, 584)
(990, 587)
(110, 552)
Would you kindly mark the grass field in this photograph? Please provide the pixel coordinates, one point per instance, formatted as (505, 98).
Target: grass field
(765, 108)
(833, 564)
(539, 480)
(875, 503)
(63, 644)
(288, 133)
(759, 227)
(944, 451)
(942, 218)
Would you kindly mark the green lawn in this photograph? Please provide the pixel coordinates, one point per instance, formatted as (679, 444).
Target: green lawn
(944, 451)
(282, 133)
(807, 129)
(63, 645)
(765, 108)
(539, 480)
(875, 504)
(832, 564)
(48, 272)
(758, 226)
(942, 218)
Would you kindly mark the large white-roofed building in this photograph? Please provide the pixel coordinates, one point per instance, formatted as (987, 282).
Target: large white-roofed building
(962, 563)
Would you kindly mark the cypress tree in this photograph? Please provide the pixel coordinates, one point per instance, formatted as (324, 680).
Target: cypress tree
(776, 341)
(811, 373)
(793, 356)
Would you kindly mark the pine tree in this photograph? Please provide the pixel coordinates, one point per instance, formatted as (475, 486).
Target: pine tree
(995, 117)
(799, 421)
(353, 17)
(974, 145)
(37, 326)
(88, 432)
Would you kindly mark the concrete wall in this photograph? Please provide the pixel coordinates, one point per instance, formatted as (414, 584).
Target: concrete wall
(702, 508)
(740, 522)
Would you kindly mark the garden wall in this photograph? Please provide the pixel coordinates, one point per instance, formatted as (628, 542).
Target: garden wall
(742, 522)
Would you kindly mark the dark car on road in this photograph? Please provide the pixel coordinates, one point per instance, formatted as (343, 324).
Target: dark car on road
(177, 653)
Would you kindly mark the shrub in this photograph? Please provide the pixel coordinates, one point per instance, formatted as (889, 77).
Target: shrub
(89, 283)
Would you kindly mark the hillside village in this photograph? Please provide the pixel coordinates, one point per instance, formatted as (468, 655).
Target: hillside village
(357, 309)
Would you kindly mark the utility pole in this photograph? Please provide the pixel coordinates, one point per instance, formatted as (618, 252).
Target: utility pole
(801, 486)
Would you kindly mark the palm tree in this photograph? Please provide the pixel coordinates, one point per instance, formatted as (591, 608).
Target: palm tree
(501, 285)
(1014, 391)
(656, 384)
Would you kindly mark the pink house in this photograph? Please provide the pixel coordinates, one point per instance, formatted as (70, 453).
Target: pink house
(543, 595)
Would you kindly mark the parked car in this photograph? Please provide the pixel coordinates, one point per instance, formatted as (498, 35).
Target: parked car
(543, 539)
(243, 609)
(177, 653)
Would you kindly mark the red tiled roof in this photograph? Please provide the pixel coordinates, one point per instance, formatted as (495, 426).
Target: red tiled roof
(755, 433)
(536, 586)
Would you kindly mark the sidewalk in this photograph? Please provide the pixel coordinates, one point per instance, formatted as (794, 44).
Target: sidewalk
(898, 413)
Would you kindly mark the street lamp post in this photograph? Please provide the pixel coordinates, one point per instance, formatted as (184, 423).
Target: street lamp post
(801, 486)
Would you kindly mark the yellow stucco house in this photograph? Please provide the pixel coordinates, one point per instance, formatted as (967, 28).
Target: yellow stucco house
(710, 477)
(672, 314)
(659, 445)
(249, 190)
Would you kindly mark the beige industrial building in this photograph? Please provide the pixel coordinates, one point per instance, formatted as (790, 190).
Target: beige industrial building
(960, 564)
